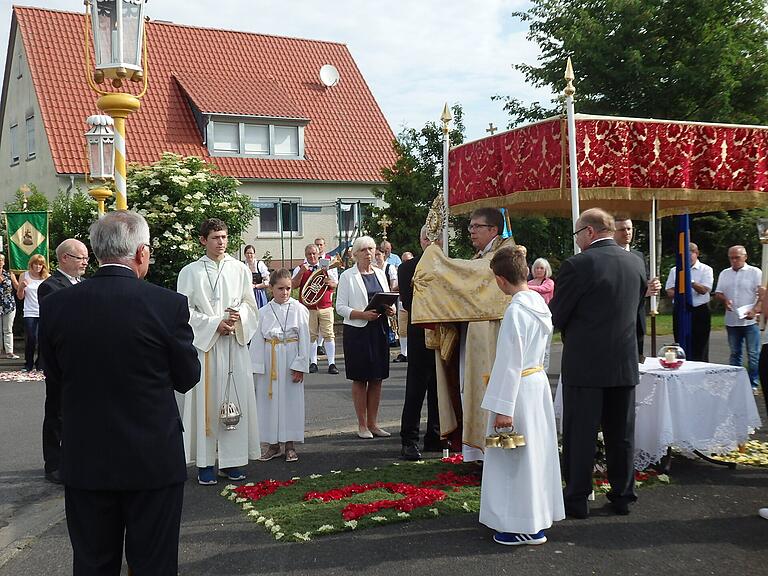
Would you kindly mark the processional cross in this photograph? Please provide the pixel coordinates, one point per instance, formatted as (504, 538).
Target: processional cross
(384, 222)
(491, 128)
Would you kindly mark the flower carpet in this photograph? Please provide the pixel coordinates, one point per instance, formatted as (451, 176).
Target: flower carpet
(21, 376)
(754, 453)
(302, 509)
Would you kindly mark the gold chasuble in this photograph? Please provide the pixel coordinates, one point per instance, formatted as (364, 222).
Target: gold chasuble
(447, 292)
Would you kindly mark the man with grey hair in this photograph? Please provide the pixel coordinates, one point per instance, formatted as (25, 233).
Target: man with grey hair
(72, 256)
(117, 347)
(389, 257)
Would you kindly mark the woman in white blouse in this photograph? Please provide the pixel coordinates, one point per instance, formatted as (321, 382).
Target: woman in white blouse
(366, 348)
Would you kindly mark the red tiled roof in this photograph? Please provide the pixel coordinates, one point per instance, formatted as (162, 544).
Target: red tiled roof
(347, 138)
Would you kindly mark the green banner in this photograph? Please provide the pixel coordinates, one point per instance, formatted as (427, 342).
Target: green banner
(27, 235)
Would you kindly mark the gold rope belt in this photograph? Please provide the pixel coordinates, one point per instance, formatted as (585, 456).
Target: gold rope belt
(532, 370)
(273, 373)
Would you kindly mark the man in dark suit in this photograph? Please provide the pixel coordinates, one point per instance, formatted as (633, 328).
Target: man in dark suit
(595, 307)
(72, 256)
(118, 347)
(420, 378)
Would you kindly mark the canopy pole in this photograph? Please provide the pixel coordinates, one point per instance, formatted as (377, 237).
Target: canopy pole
(445, 119)
(569, 92)
(654, 272)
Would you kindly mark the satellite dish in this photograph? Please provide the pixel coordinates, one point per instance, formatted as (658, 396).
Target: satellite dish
(329, 76)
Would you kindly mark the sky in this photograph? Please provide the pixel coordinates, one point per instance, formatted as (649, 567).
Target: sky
(415, 55)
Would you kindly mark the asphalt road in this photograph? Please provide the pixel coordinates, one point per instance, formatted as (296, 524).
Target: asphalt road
(704, 523)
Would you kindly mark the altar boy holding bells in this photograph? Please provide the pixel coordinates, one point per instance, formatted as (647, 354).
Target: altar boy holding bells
(521, 494)
(280, 353)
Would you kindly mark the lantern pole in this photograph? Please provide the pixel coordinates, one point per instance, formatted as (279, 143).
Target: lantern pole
(569, 92)
(445, 118)
(118, 105)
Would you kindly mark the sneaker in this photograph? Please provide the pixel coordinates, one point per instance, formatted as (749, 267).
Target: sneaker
(401, 358)
(312, 368)
(332, 369)
(232, 474)
(206, 476)
(321, 351)
(512, 539)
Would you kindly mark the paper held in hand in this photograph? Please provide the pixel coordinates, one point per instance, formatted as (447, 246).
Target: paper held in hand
(382, 300)
(742, 311)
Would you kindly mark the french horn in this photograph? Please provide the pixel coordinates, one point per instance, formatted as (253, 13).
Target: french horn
(315, 287)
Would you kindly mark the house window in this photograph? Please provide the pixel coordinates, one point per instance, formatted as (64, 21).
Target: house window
(30, 125)
(251, 139)
(277, 216)
(226, 137)
(286, 141)
(19, 62)
(351, 215)
(256, 139)
(14, 144)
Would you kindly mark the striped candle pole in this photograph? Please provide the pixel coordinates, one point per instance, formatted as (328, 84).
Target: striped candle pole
(119, 105)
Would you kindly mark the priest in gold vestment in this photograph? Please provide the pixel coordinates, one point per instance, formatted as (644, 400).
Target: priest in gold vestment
(464, 306)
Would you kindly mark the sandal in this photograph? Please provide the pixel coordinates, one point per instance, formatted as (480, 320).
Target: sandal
(272, 452)
(291, 456)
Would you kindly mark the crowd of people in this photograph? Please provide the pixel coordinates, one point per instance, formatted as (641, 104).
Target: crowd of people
(221, 380)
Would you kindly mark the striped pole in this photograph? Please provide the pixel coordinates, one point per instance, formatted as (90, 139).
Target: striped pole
(119, 105)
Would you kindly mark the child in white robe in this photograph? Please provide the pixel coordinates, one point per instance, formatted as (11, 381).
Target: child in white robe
(521, 493)
(280, 357)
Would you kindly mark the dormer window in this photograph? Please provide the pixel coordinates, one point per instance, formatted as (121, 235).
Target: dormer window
(252, 138)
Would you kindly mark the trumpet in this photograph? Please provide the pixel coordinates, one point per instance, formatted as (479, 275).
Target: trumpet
(315, 287)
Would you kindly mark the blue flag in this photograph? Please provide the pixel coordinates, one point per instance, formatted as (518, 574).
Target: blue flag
(683, 290)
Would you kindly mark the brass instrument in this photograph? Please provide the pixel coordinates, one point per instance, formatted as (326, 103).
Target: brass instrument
(315, 287)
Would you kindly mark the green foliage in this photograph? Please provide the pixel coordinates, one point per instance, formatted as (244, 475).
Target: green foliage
(175, 194)
(703, 60)
(548, 238)
(413, 182)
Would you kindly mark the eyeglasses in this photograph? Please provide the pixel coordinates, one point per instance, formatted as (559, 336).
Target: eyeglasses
(473, 227)
(580, 230)
(80, 258)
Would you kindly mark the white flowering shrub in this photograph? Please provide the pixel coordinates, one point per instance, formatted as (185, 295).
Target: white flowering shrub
(175, 194)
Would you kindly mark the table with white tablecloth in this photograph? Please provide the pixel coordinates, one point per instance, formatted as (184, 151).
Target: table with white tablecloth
(709, 408)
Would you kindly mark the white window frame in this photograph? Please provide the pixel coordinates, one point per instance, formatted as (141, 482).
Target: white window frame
(281, 231)
(13, 131)
(31, 145)
(241, 152)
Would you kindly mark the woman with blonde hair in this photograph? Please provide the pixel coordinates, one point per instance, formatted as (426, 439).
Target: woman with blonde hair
(366, 348)
(29, 282)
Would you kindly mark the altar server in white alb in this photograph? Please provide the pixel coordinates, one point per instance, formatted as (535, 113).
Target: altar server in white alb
(224, 318)
(521, 494)
(280, 353)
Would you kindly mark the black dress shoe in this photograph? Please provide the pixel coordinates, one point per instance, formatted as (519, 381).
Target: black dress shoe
(577, 512)
(410, 452)
(620, 507)
(53, 477)
(400, 358)
(321, 350)
(312, 368)
(332, 369)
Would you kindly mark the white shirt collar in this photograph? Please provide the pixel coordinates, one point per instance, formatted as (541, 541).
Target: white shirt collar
(72, 279)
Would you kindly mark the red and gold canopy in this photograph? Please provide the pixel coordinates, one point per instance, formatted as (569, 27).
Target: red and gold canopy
(623, 163)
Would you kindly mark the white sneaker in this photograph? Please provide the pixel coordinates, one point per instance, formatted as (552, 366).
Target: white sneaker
(763, 512)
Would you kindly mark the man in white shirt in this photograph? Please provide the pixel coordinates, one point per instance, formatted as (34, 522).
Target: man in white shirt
(737, 288)
(702, 280)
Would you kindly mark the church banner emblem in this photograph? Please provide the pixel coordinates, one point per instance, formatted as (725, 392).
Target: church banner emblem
(27, 235)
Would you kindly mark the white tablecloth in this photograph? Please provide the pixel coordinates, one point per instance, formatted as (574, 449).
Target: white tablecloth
(700, 406)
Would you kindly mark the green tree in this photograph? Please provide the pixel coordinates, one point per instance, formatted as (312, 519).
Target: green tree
(703, 60)
(413, 182)
(175, 194)
(33, 200)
